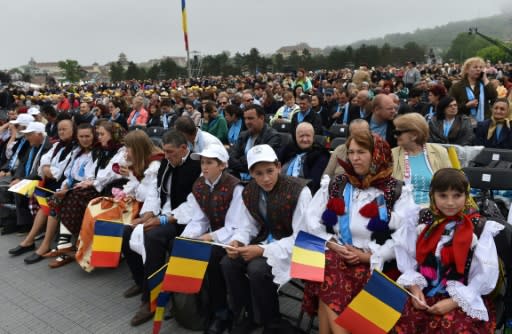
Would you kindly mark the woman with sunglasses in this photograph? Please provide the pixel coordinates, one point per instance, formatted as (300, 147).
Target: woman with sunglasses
(448, 126)
(415, 160)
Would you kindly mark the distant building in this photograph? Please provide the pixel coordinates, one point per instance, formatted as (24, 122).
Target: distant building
(286, 51)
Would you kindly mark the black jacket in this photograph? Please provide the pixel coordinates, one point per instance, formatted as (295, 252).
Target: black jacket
(461, 131)
(237, 158)
(38, 153)
(505, 140)
(312, 118)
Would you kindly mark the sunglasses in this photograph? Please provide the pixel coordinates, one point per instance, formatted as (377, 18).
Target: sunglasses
(398, 133)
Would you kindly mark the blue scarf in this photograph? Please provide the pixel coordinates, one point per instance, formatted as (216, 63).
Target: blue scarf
(477, 113)
(344, 220)
(345, 114)
(234, 131)
(14, 157)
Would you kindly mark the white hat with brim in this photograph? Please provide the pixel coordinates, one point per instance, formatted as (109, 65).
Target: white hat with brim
(212, 151)
(33, 111)
(34, 127)
(23, 119)
(260, 153)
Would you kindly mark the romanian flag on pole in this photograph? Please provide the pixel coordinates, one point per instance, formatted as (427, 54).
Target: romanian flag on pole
(187, 266)
(42, 194)
(184, 22)
(161, 302)
(376, 309)
(308, 257)
(106, 243)
(155, 286)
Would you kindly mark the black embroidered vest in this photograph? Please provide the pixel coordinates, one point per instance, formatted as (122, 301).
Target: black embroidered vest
(281, 203)
(215, 204)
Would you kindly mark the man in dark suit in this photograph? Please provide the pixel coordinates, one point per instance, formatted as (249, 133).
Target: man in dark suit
(381, 119)
(305, 114)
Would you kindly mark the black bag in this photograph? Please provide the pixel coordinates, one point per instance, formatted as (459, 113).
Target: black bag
(191, 310)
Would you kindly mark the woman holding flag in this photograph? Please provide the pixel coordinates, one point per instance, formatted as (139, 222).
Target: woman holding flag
(51, 171)
(449, 262)
(357, 212)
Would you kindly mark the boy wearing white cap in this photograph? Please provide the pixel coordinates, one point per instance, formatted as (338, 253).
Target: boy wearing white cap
(261, 262)
(216, 201)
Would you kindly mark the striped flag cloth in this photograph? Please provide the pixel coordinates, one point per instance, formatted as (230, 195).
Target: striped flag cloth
(308, 257)
(106, 243)
(184, 22)
(155, 286)
(187, 266)
(161, 302)
(42, 194)
(376, 309)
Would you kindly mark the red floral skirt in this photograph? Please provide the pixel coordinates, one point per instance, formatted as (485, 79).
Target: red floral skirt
(455, 321)
(342, 282)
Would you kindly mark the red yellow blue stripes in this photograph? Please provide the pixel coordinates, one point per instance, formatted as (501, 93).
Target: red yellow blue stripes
(155, 286)
(42, 194)
(308, 257)
(184, 23)
(187, 266)
(161, 302)
(106, 243)
(376, 309)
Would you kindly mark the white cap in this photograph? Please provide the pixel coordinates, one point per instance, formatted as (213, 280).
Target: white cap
(260, 153)
(33, 111)
(23, 119)
(34, 127)
(212, 151)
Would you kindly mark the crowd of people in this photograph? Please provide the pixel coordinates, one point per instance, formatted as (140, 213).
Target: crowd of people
(246, 162)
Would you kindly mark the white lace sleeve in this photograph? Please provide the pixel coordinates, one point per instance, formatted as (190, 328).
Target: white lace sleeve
(483, 275)
(405, 253)
(313, 217)
(107, 175)
(46, 160)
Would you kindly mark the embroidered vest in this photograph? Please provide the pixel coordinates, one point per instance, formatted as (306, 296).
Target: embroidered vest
(215, 204)
(281, 203)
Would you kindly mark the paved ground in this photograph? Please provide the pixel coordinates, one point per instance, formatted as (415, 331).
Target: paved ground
(36, 299)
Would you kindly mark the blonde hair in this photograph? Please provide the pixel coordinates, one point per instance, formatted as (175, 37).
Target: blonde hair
(142, 148)
(469, 62)
(415, 122)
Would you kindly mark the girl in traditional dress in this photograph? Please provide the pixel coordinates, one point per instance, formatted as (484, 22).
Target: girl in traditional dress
(445, 265)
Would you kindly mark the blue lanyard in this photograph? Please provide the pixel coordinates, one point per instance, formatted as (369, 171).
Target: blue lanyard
(134, 118)
(165, 121)
(28, 164)
(14, 157)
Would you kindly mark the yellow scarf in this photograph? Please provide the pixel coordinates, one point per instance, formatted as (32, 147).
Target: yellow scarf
(494, 123)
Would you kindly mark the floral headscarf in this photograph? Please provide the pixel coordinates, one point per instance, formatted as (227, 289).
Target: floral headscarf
(381, 167)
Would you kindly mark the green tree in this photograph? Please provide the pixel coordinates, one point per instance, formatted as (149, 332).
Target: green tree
(117, 71)
(278, 62)
(153, 72)
(253, 60)
(134, 72)
(169, 68)
(465, 46)
(72, 70)
(493, 53)
(294, 60)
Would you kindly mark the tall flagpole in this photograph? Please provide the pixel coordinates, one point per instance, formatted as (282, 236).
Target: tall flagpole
(185, 35)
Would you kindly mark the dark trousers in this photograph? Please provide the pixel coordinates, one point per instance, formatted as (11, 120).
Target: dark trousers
(23, 214)
(215, 281)
(158, 242)
(250, 286)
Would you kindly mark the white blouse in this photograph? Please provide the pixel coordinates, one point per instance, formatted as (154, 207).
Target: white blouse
(142, 190)
(277, 252)
(56, 167)
(105, 175)
(200, 224)
(483, 273)
(76, 164)
(404, 210)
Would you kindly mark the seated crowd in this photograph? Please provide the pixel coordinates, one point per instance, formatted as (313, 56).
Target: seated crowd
(219, 167)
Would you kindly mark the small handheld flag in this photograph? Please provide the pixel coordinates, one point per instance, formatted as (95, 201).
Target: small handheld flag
(376, 309)
(106, 243)
(161, 302)
(24, 187)
(42, 194)
(187, 266)
(308, 257)
(155, 286)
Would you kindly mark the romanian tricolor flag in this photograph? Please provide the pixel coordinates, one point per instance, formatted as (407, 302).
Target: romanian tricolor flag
(187, 266)
(106, 243)
(42, 194)
(155, 286)
(161, 302)
(308, 257)
(24, 187)
(184, 22)
(376, 309)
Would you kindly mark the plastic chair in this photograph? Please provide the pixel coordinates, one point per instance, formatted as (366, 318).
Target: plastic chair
(338, 130)
(337, 142)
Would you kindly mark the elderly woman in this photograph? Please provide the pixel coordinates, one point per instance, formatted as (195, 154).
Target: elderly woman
(303, 157)
(474, 91)
(415, 160)
(495, 132)
(346, 212)
(286, 112)
(235, 119)
(448, 126)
